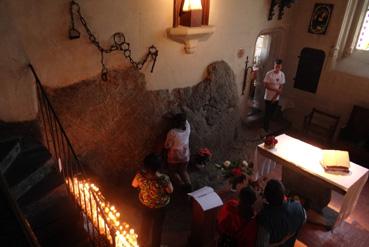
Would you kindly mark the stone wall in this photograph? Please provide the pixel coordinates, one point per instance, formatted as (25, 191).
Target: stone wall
(36, 32)
(114, 124)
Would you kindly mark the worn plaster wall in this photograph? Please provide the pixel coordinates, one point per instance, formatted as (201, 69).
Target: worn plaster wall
(17, 92)
(40, 29)
(340, 87)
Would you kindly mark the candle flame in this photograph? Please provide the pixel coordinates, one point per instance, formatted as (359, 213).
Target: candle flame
(101, 214)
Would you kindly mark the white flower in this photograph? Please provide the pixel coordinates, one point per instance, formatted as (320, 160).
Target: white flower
(227, 163)
(244, 162)
(217, 165)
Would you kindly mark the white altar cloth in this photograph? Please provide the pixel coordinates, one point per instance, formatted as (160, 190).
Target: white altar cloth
(304, 158)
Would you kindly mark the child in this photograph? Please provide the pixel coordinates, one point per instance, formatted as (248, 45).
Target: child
(177, 144)
(236, 221)
(155, 189)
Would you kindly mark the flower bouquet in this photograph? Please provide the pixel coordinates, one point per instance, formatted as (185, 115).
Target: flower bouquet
(236, 172)
(270, 141)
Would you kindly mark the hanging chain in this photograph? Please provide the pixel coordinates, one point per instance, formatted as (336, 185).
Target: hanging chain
(73, 32)
(120, 44)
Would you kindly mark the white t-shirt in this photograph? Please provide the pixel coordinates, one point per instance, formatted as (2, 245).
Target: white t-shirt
(177, 143)
(275, 80)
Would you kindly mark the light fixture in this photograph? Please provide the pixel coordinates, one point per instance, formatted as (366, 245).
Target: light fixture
(190, 23)
(191, 13)
(191, 5)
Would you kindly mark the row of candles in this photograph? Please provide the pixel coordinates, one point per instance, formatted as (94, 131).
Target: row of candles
(103, 216)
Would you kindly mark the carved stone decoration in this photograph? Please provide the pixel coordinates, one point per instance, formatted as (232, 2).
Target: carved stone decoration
(282, 4)
(114, 124)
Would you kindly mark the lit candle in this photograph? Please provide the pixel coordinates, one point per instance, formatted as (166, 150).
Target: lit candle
(94, 205)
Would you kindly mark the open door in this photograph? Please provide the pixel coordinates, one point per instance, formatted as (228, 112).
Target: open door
(256, 89)
(268, 47)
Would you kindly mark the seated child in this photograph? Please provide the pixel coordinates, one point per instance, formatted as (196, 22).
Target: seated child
(236, 221)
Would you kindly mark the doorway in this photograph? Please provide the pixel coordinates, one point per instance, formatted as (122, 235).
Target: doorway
(268, 47)
(256, 87)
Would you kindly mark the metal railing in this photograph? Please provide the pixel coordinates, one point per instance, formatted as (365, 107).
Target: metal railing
(23, 222)
(95, 213)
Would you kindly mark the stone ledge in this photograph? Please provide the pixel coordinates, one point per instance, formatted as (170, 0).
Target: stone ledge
(190, 35)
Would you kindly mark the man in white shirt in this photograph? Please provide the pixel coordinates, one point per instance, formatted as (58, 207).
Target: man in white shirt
(273, 82)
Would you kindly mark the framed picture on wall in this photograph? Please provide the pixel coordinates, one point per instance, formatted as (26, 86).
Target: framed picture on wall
(320, 18)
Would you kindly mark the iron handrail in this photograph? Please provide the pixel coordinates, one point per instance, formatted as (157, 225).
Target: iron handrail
(67, 170)
(40, 87)
(24, 224)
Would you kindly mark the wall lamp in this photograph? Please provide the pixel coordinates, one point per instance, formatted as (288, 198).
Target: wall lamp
(190, 23)
(191, 13)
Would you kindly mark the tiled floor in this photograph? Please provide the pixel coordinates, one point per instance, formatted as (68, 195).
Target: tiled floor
(354, 232)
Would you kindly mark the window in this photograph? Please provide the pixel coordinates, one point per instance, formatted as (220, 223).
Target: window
(351, 37)
(363, 38)
(350, 55)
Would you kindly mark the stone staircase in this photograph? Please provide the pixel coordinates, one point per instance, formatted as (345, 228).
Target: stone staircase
(37, 187)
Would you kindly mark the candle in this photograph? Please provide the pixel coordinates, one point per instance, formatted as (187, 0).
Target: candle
(100, 213)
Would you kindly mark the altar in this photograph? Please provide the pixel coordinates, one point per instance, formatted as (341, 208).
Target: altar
(301, 167)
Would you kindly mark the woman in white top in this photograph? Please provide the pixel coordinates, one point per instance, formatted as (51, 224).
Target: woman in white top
(177, 144)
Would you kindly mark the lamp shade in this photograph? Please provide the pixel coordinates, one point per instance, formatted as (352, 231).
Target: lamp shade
(191, 13)
(189, 5)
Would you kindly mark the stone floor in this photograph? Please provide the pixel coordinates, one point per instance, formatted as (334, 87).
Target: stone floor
(353, 232)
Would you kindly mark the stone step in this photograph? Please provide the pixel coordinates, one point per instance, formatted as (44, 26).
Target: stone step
(33, 179)
(254, 119)
(9, 152)
(31, 208)
(29, 145)
(25, 164)
(11, 233)
(38, 187)
(56, 221)
(43, 187)
(6, 145)
(254, 111)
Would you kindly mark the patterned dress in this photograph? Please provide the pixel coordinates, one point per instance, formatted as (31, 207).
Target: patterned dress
(152, 189)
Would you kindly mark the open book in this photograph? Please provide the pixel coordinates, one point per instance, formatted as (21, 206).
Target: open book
(336, 160)
(207, 198)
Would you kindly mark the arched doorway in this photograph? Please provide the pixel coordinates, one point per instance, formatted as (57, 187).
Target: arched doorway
(268, 46)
